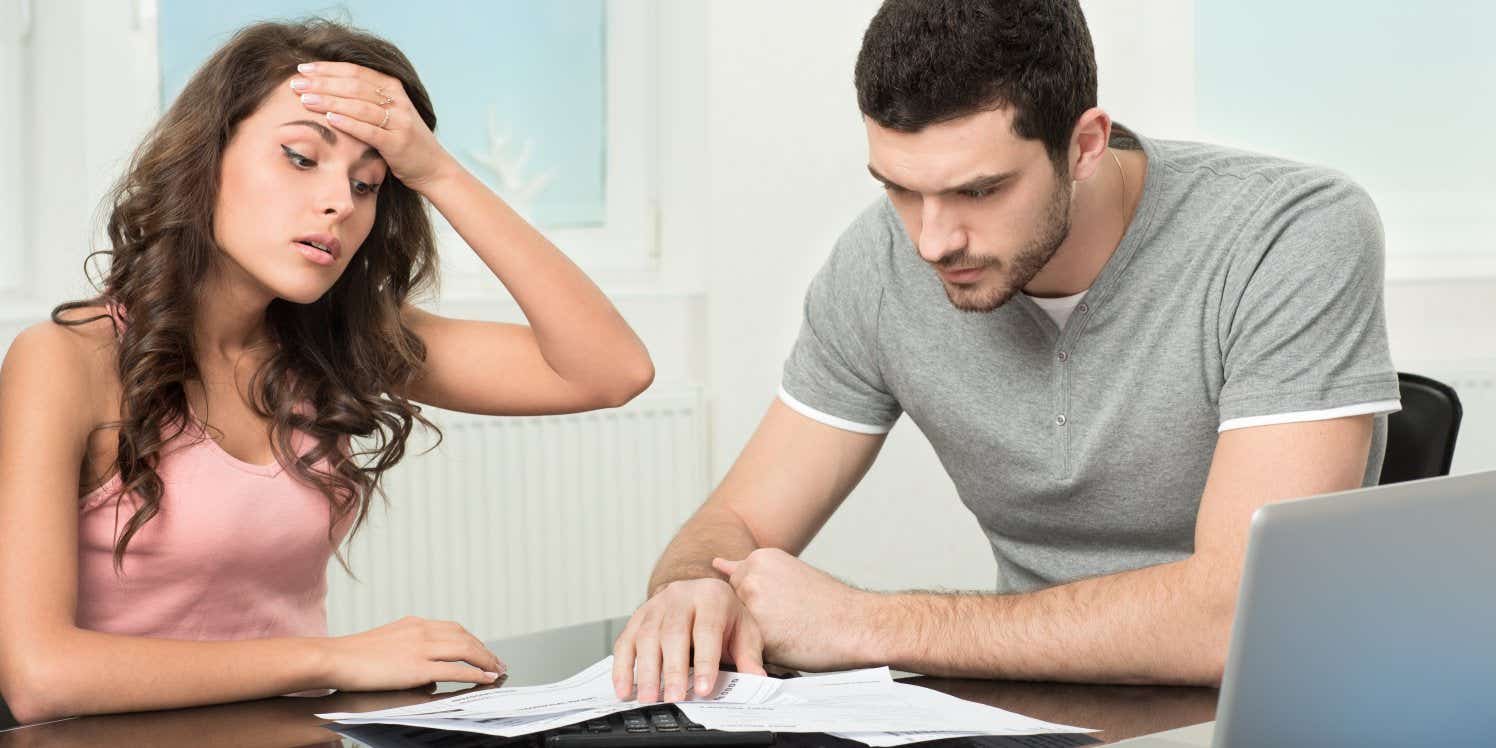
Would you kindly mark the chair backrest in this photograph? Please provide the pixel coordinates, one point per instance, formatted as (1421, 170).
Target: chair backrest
(1421, 436)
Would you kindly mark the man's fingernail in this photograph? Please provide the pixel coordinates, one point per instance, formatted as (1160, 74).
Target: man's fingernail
(703, 686)
(490, 676)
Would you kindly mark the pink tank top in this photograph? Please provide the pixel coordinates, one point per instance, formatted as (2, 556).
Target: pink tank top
(237, 551)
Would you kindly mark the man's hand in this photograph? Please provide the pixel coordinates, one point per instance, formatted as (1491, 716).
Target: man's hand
(809, 619)
(700, 616)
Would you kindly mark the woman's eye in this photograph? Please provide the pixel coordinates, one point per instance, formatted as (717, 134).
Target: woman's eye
(364, 188)
(298, 160)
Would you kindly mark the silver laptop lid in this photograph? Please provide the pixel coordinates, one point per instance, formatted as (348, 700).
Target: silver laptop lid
(1367, 618)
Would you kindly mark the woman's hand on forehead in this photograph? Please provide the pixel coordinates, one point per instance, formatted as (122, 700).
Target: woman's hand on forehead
(374, 108)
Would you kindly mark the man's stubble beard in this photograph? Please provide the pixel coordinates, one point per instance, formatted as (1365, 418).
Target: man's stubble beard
(1025, 264)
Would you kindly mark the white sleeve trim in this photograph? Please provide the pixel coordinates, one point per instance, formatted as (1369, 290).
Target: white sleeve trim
(1360, 409)
(828, 419)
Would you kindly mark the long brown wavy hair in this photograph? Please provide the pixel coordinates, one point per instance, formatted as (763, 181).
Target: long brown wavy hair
(346, 355)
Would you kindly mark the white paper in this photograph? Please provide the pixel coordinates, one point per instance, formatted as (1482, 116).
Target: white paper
(866, 701)
(862, 705)
(507, 727)
(589, 693)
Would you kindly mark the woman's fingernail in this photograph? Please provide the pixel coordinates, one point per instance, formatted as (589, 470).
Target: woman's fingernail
(311, 99)
(298, 84)
(306, 67)
(703, 686)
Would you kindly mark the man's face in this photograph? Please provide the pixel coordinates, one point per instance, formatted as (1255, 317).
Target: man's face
(984, 207)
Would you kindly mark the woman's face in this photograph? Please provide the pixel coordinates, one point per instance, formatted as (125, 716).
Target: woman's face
(295, 198)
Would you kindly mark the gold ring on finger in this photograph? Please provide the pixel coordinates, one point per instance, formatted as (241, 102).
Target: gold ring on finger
(386, 119)
(385, 99)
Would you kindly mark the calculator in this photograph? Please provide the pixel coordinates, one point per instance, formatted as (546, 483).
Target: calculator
(662, 725)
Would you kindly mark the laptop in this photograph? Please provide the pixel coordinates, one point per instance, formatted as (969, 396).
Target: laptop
(1364, 618)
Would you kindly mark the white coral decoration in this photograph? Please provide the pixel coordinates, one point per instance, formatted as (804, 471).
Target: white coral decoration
(517, 188)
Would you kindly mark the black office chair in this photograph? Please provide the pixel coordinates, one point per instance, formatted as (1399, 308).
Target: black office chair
(1420, 437)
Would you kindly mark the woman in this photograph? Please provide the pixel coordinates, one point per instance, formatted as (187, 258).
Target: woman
(254, 317)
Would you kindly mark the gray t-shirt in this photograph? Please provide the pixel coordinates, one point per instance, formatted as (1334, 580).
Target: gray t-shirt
(1245, 286)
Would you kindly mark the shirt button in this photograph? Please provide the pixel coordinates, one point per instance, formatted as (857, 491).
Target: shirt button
(1083, 308)
(1059, 420)
(1062, 356)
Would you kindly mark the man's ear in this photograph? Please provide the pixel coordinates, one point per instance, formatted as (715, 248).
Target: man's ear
(1088, 141)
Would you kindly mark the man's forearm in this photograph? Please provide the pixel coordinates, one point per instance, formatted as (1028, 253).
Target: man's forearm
(1162, 624)
(712, 531)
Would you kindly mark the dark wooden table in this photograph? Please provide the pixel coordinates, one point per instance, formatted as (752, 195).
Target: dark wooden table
(1118, 711)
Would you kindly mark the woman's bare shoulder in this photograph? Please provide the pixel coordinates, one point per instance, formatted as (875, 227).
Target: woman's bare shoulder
(88, 331)
(79, 359)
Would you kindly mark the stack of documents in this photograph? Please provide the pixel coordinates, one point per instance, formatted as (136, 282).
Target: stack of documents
(863, 705)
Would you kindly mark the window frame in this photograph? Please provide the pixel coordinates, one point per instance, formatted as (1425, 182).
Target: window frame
(626, 247)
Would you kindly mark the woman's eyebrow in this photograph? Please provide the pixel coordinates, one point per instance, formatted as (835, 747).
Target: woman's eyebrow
(327, 134)
(330, 137)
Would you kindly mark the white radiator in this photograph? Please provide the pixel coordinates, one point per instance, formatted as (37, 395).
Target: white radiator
(514, 525)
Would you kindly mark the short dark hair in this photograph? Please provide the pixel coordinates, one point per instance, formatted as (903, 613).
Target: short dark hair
(929, 61)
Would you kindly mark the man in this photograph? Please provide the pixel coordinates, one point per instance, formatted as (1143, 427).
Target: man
(1118, 347)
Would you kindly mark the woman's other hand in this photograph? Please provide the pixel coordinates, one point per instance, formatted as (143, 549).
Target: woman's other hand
(407, 653)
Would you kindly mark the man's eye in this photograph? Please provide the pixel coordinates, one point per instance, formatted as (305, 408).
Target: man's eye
(298, 160)
(976, 194)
